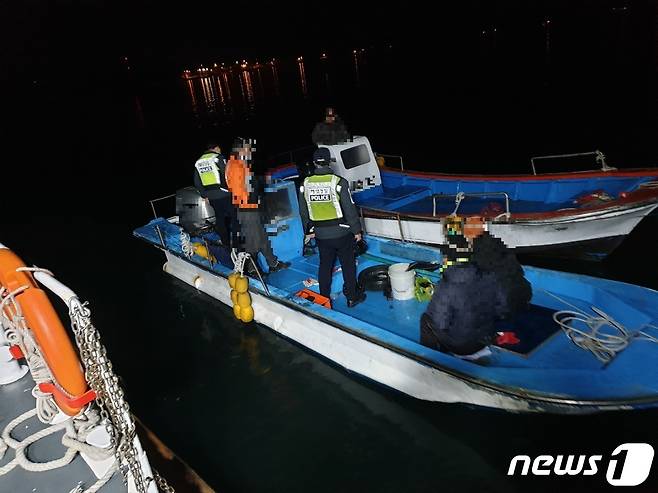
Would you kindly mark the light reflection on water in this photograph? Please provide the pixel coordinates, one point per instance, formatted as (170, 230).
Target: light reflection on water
(258, 84)
(302, 76)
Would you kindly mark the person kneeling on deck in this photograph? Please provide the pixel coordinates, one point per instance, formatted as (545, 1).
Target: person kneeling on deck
(240, 179)
(210, 181)
(327, 209)
(491, 254)
(467, 302)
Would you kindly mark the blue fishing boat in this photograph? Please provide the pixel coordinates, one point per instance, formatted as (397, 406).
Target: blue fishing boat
(585, 345)
(575, 214)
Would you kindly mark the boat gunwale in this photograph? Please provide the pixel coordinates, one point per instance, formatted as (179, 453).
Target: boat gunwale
(635, 200)
(622, 173)
(624, 205)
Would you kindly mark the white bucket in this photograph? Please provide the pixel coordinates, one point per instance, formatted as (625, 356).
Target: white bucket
(402, 281)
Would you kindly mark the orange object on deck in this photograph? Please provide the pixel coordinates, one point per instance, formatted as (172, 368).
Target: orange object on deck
(314, 297)
(49, 333)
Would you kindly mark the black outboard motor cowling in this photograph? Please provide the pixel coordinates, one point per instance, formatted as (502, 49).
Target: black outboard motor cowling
(195, 215)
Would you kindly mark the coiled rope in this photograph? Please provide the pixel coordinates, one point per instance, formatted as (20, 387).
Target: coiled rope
(603, 343)
(239, 260)
(19, 335)
(73, 439)
(186, 244)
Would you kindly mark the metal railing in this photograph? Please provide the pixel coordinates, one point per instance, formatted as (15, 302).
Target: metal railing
(377, 154)
(600, 159)
(461, 195)
(159, 199)
(155, 216)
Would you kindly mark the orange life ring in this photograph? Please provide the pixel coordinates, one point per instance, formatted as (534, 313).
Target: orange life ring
(51, 336)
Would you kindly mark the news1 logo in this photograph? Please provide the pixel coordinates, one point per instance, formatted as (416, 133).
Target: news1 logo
(628, 465)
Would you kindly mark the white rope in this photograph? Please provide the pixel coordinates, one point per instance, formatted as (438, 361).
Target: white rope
(45, 404)
(604, 345)
(77, 430)
(35, 269)
(18, 334)
(239, 260)
(186, 244)
(19, 447)
(458, 200)
(10, 297)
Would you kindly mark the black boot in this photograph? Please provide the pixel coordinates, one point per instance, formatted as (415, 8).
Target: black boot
(360, 296)
(279, 266)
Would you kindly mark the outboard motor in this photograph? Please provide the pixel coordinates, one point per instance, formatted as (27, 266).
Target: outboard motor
(195, 215)
(355, 162)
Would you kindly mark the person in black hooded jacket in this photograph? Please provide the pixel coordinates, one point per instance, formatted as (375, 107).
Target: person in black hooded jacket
(482, 283)
(465, 306)
(331, 130)
(492, 255)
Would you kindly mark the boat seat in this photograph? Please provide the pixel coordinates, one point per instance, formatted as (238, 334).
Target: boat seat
(532, 327)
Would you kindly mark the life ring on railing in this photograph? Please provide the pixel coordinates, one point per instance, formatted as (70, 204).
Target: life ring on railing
(69, 388)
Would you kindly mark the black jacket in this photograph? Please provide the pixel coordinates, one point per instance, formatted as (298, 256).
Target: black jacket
(330, 133)
(464, 309)
(490, 254)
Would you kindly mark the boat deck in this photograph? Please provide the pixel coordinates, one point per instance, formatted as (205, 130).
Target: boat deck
(403, 316)
(16, 399)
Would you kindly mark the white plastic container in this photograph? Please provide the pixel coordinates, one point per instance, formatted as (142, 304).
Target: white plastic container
(402, 281)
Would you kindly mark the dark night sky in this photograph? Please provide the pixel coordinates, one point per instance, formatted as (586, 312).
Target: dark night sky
(62, 58)
(67, 35)
(41, 38)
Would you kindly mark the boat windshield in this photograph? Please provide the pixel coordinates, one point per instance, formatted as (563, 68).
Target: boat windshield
(355, 156)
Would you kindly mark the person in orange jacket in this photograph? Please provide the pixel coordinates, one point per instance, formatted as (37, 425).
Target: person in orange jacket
(241, 183)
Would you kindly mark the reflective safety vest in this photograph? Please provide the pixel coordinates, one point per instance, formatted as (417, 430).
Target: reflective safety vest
(209, 170)
(322, 195)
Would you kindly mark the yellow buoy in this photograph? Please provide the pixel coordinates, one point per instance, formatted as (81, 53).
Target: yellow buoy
(200, 250)
(241, 284)
(247, 314)
(232, 278)
(237, 311)
(234, 296)
(244, 300)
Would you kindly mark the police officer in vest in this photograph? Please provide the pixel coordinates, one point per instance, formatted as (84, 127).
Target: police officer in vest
(329, 214)
(210, 181)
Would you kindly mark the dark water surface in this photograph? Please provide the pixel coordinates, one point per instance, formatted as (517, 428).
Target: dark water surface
(251, 411)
